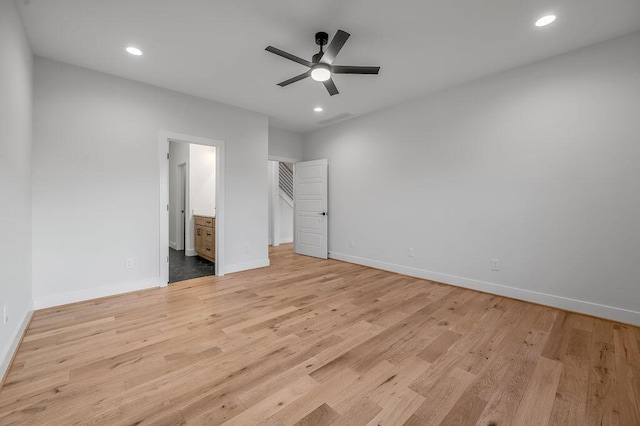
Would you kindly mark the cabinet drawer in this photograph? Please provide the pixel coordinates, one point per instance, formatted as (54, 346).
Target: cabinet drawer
(208, 221)
(207, 248)
(201, 220)
(209, 234)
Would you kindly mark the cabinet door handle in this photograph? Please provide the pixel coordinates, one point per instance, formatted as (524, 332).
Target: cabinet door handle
(199, 230)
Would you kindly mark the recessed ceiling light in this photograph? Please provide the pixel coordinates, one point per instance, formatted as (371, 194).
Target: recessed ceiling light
(318, 109)
(545, 20)
(134, 51)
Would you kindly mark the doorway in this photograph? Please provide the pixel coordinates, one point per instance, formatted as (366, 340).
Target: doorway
(280, 203)
(186, 194)
(192, 211)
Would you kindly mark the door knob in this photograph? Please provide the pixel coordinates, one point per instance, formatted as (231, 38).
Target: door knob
(323, 213)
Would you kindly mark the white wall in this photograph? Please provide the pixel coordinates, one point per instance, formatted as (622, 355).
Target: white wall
(178, 154)
(16, 63)
(96, 180)
(539, 167)
(285, 143)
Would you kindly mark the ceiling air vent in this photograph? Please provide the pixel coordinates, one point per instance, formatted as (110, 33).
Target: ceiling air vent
(335, 118)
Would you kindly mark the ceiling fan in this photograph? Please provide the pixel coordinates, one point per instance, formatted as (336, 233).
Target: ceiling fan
(321, 66)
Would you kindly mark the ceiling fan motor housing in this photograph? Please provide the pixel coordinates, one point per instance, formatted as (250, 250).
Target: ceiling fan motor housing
(322, 38)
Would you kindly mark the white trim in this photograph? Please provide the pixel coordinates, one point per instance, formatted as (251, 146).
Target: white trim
(574, 305)
(284, 159)
(164, 138)
(286, 240)
(245, 266)
(173, 245)
(12, 347)
(190, 252)
(95, 293)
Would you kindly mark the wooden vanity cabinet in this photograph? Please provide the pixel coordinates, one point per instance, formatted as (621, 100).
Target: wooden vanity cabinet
(205, 237)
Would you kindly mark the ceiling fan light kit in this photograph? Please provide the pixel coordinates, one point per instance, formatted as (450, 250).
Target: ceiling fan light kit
(321, 72)
(321, 66)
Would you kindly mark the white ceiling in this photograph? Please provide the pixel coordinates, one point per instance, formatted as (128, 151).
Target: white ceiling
(215, 48)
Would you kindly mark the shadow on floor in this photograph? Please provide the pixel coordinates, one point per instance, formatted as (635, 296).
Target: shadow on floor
(183, 267)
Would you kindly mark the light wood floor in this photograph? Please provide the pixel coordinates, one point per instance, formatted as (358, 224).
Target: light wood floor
(321, 342)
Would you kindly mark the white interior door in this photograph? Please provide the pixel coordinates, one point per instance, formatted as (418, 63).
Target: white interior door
(310, 208)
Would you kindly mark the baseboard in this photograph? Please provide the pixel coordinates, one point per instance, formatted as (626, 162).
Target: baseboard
(287, 240)
(245, 266)
(190, 252)
(7, 356)
(173, 245)
(94, 293)
(565, 303)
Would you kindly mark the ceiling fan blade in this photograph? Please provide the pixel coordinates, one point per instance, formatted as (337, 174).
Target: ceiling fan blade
(334, 47)
(294, 79)
(331, 87)
(288, 56)
(344, 69)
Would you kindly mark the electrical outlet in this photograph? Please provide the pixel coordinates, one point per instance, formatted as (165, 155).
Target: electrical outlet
(128, 262)
(411, 252)
(5, 316)
(350, 243)
(495, 264)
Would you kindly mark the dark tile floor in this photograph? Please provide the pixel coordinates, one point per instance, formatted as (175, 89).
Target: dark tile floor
(183, 267)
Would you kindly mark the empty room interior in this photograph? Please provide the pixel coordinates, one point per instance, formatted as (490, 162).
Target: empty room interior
(320, 213)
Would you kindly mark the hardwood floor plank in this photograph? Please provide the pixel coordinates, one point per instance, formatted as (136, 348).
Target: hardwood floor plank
(322, 415)
(602, 400)
(442, 396)
(398, 408)
(359, 413)
(274, 402)
(537, 401)
(504, 401)
(627, 358)
(312, 400)
(571, 396)
(466, 411)
(310, 341)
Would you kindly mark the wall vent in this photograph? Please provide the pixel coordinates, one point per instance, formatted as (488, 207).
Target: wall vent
(335, 118)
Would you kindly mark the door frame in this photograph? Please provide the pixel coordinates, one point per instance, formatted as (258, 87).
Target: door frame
(275, 202)
(163, 236)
